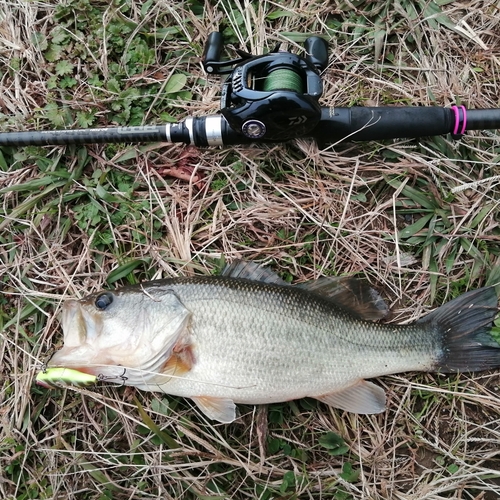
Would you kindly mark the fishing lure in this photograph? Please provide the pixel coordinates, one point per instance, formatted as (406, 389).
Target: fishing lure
(64, 377)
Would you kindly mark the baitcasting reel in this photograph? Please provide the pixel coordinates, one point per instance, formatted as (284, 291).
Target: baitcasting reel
(272, 97)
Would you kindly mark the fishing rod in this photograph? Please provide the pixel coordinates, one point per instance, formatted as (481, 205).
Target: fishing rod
(275, 98)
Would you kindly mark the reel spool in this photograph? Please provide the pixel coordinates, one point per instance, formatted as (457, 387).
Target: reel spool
(283, 79)
(273, 97)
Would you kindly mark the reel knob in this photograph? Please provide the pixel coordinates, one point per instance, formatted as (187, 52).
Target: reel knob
(317, 52)
(212, 52)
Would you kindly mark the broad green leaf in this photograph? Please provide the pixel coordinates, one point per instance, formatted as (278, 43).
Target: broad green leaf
(160, 406)
(334, 444)
(288, 481)
(60, 35)
(54, 53)
(99, 476)
(413, 194)
(410, 9)
(495, 331)
(295, 36)
(415, 240)
(84, 119)
(185, 95)
(450, 260)
(433, 268)
(165, 33)
(175, 83)
(64, 68)
(146, 7)
(379, 38)
(494, 277)
(129, 154)
(28, 204)
(486, 210)
(419, 197)
(416, 227)
(434, 15)
(431, 231)
(123, 270)
(3, 163)
(349, 474)
(132, 153)
(113, 86)
(472, 249)
(102, 193)
(33, 185)
(167, 117)
(67, 82)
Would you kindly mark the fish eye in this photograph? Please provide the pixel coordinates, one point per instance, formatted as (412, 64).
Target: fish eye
(103, 300)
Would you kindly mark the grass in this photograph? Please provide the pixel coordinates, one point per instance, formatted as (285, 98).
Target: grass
(418, 218)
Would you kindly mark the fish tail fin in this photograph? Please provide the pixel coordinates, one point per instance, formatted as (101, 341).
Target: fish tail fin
(464, 325)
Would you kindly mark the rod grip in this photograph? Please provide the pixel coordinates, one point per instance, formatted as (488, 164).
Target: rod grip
(375, 123)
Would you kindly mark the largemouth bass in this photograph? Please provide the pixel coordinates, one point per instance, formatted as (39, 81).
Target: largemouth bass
(249, 337)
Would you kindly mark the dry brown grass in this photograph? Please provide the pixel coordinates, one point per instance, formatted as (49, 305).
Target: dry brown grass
(305, 211)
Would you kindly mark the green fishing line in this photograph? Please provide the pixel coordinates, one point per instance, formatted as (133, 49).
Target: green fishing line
(283, 79)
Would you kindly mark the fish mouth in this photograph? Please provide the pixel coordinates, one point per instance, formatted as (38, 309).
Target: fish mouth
(79, 325)
(80, 329)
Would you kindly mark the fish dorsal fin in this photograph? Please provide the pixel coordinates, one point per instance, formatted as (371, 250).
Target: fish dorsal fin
(363, 397)
(220, 409)
(354, 295)
(252, 271)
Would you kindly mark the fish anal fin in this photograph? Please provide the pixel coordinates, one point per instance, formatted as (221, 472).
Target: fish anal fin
(351, 294)
(252, 271)
(363, 397)
(220, 409)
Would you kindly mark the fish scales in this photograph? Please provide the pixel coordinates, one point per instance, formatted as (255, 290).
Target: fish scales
(255, 342)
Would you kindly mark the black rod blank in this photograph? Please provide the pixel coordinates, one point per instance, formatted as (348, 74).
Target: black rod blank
(84, 136)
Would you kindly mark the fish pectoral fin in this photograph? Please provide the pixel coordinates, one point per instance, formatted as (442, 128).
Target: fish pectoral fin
(352, 294)
(181, 360)
(220, 409)
(363, 397)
